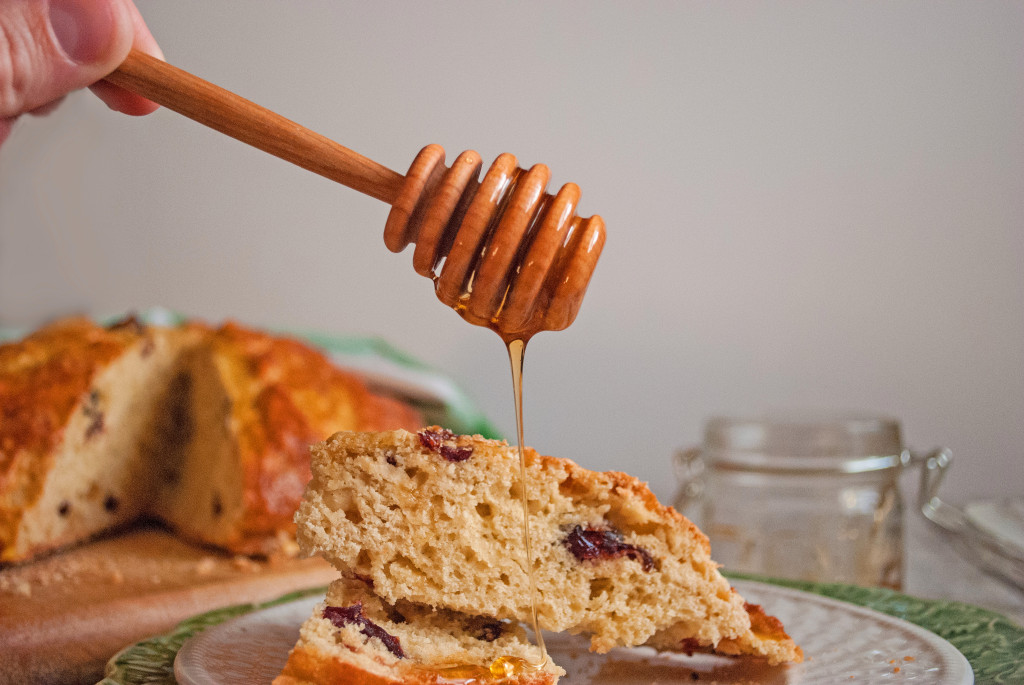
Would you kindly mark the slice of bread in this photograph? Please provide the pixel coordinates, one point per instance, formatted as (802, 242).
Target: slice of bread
(207, 429)
(76, 402)
(435, 519)
(357, 638)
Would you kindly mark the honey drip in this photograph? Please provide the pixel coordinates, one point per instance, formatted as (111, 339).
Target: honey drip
(503, 254)
(516, 353)
(510, 666)
(470, 674)
(515, 343)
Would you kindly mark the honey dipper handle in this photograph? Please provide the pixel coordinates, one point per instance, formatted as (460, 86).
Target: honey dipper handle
(246, 121)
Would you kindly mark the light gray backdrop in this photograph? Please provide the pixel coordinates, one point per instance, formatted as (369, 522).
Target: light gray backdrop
(809, 205)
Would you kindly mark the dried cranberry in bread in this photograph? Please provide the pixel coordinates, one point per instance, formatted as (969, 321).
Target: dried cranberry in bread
(355, 637)
(206, 429)
(435, 518)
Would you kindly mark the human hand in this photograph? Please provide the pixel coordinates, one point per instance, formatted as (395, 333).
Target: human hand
(48, 49)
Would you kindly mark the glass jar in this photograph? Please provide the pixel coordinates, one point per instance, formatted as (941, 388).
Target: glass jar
(800, 498)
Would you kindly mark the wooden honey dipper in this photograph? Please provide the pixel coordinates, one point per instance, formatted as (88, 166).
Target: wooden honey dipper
(501, 251)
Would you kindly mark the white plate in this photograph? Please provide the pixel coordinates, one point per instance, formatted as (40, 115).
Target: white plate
(841, 642)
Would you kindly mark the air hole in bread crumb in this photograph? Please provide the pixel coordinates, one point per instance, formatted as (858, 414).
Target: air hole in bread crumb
(353, 515)
(484, 510)
(437, 505)
(64, 508)
(570, 487)
(505, 579)
(599, 586)
(400, 566)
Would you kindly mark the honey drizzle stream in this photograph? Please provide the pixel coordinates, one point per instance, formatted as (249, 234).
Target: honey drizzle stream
(516, 352)
(515, 343)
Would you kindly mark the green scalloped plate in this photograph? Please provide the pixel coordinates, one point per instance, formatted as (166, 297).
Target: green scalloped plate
(151, 661)
(992, 644)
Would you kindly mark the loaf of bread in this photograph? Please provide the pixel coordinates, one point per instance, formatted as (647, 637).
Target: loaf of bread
(435, 519)
(355, 637)
(206, 429)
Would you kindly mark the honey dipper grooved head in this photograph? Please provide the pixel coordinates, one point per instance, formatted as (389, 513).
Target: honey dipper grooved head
(502, 251)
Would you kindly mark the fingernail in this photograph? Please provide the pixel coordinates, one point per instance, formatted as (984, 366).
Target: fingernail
(84, 28)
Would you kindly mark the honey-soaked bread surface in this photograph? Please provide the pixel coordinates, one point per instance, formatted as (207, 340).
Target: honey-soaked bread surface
(435, 518)
(354, 636)
(205, 428)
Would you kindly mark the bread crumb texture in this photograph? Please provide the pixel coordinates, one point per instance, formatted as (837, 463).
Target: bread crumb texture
(434, 519)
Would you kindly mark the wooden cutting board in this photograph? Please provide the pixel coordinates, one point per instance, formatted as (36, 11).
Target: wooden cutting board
(63, 617)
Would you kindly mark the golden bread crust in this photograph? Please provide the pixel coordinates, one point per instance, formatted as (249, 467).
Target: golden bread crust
(763, 625)
(309, 666)
(43, 380)
(286, 396)
(306, 666)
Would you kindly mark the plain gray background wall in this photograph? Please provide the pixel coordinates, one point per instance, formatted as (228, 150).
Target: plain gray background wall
(810, 205)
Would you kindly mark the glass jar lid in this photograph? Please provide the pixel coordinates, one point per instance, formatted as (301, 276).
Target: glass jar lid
(842, 444)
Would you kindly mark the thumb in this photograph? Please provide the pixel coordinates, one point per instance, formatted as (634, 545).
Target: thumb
(48, 49)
